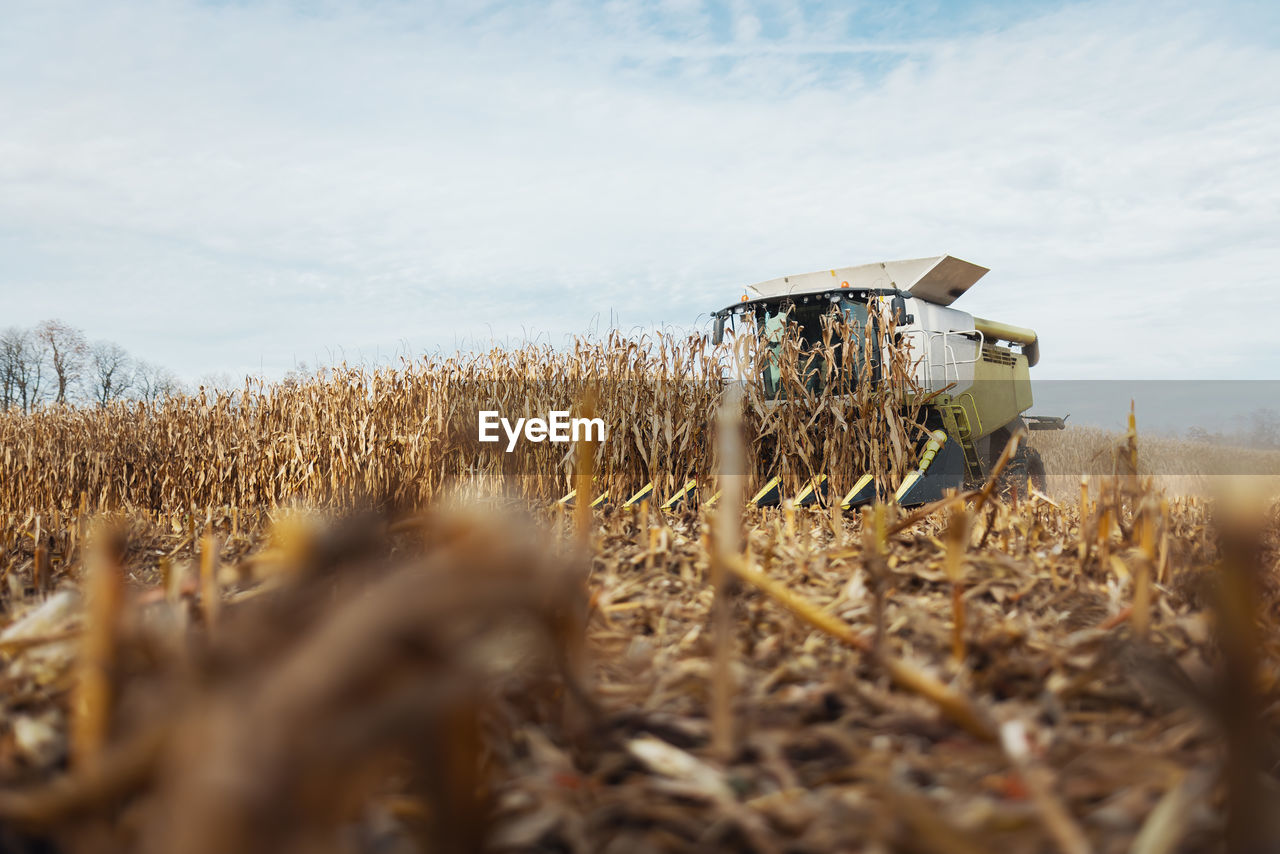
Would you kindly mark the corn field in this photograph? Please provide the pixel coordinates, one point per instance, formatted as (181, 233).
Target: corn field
(403, 436)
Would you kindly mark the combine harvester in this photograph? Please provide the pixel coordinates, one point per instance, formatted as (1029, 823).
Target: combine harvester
(981, 382)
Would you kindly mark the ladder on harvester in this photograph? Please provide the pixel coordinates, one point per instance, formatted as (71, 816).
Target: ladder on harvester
(955, 418)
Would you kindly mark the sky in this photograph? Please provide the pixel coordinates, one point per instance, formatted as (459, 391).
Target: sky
(234, 187)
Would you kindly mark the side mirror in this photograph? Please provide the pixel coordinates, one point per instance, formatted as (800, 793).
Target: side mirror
(718, 336)
(898, 310)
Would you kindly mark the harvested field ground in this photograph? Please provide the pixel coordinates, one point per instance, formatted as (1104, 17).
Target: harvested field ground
(1175, 466)
(428, 658)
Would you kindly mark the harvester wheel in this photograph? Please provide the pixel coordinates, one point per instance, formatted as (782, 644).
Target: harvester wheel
(1036, 470)
(1025, 465)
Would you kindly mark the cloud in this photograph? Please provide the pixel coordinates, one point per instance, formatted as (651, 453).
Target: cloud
(233, 186)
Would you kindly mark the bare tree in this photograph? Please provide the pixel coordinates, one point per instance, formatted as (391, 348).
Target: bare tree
(52, 360)
(66, 350)
(1202, 435)
(153, 382)
(219, 381)
(110, 372)
(22, 368)
(37, 375)
(11, 346)
(296, 377)
(1264, 428)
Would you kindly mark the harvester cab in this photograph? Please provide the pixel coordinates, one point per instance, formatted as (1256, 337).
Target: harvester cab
(973, 373)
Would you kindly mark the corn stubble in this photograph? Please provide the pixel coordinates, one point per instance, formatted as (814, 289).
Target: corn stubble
(193, 664)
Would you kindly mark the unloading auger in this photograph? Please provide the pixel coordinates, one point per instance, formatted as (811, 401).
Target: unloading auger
(974, 374)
